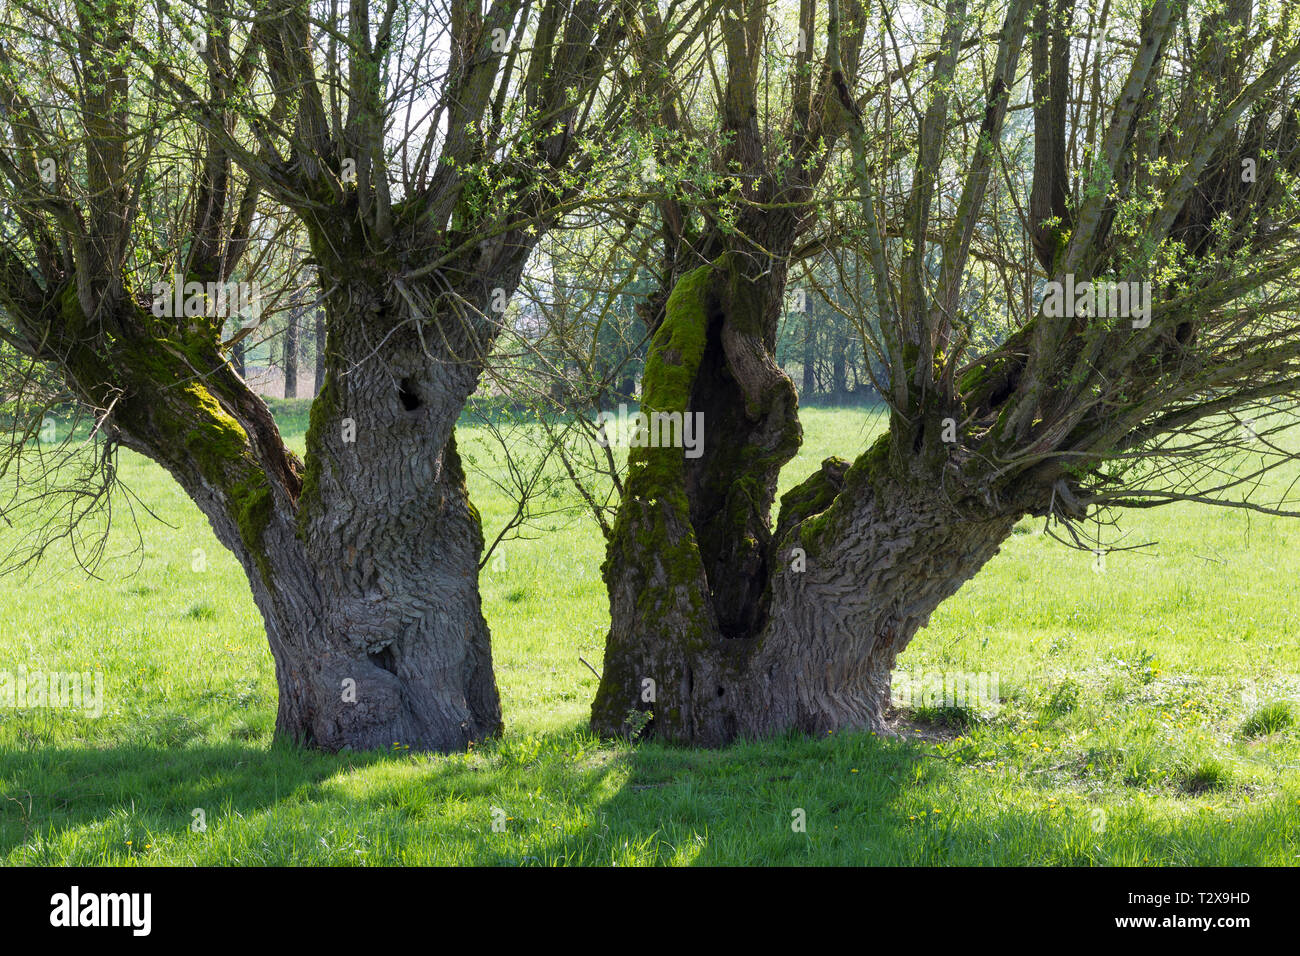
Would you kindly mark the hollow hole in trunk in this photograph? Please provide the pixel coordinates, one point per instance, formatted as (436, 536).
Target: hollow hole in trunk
(384, 658)
(407, 394)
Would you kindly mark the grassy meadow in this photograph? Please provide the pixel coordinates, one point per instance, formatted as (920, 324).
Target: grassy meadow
(1149, 715)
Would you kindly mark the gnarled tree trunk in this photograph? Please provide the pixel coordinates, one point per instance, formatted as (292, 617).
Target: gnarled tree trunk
(364, 564)
(725, 627)
(385, 519)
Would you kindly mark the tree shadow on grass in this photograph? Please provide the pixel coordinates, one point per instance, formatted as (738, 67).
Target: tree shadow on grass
(753, 802)
(560, 798)
(847, 800)
(779, 801)
(53, 789)
(556, 798)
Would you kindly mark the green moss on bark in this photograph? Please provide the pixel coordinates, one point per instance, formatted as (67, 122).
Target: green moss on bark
(213, 438)
(253, 504)
(678, 344)
(654, 521)
(666, 384)
(220, 447)
(812, 496)
(172, 406)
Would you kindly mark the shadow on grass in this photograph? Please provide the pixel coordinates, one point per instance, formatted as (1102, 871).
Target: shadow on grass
(52, 789)
(564, 798)
(560, 797)
(776, 801)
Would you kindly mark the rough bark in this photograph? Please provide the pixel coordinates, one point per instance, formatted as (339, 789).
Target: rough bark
(364, 564)
(692, 554)
(879, 562)
(386, 519)
(725, 626)
(364, 561)
(875, 568)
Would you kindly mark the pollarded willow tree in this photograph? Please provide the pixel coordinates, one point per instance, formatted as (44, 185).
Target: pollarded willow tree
(1149, 238)
(690, 553)
(424, 149)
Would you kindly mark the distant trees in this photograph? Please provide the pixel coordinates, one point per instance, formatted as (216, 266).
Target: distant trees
(292, 347)
(819, 343)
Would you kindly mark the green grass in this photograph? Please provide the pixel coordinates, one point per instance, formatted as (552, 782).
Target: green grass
(1139, 722)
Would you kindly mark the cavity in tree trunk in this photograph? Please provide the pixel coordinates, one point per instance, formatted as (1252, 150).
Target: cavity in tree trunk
(725, 626)
(386, 523)
(692, 557)
(1048, 420)
(368, 576)
(365, 565)
(363, 562)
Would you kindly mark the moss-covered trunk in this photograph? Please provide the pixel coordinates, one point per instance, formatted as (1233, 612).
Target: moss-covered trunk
(691, 554)
(724, 625)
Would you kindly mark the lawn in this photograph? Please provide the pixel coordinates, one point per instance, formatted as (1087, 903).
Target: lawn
(1147, 715)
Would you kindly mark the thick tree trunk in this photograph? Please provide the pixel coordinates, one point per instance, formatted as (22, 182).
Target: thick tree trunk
(364, 564)
(871, 572)
(385, 519)
(878, 563)
(365, 657)
(379, 640)
(723, 626)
